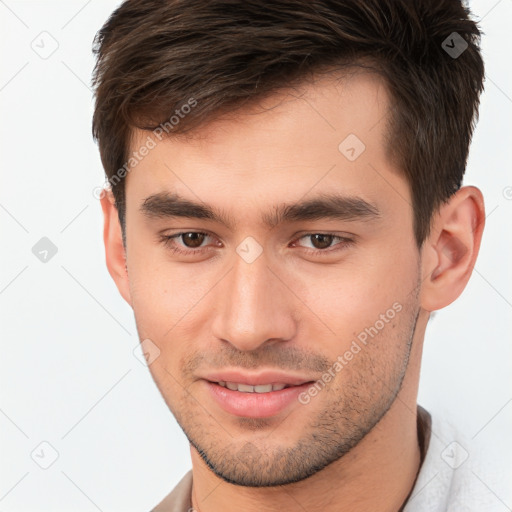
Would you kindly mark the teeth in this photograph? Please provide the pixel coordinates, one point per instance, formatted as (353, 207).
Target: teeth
(263, 388)
(246, 388)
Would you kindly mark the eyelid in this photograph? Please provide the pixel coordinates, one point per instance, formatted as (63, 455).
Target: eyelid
(170, 240)
(176, 236)
(343, 242)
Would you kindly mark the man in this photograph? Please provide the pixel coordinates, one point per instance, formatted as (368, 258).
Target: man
(284, 213)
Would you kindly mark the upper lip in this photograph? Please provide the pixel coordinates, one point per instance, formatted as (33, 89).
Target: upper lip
(256, 379)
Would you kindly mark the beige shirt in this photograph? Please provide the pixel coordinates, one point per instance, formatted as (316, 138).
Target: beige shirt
(179, 500)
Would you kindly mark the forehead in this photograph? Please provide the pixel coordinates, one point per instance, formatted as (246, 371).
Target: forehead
(355, 99)
(328, 134)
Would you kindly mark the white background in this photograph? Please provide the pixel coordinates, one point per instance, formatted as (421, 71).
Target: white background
(68, 371)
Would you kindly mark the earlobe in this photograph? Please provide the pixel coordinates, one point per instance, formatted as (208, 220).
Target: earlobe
(115, 253)
(449, 254)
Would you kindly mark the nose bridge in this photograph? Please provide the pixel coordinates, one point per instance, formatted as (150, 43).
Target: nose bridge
(252, 305)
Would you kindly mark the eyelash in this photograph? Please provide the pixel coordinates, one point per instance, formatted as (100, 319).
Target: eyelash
(168, 241)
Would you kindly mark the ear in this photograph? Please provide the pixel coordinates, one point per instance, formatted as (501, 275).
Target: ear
(114, 249)
(449, 253)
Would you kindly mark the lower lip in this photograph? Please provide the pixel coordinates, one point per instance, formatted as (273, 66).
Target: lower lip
(255, 405)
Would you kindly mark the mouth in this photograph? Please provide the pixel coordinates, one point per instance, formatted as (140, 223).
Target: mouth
(258, 396)
(247, 388)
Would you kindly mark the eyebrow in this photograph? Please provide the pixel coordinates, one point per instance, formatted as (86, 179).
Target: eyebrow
(325, 206)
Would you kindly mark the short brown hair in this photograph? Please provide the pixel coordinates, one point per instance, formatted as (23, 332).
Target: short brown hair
(153, 56)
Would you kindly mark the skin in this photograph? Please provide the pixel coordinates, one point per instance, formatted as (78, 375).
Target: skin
(288, 309)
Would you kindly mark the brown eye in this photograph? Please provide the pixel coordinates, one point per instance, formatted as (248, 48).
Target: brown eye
(186, 243)
(192, 240)
(324, 244)
(321, 241)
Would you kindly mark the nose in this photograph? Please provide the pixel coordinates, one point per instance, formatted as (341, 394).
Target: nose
(254, 307)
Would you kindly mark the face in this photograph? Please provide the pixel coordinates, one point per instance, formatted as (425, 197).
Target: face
(285, 307)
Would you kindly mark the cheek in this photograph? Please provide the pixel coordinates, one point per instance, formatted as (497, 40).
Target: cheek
(162, 306)
(161, 300)
(347, 299)
(162, 292)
